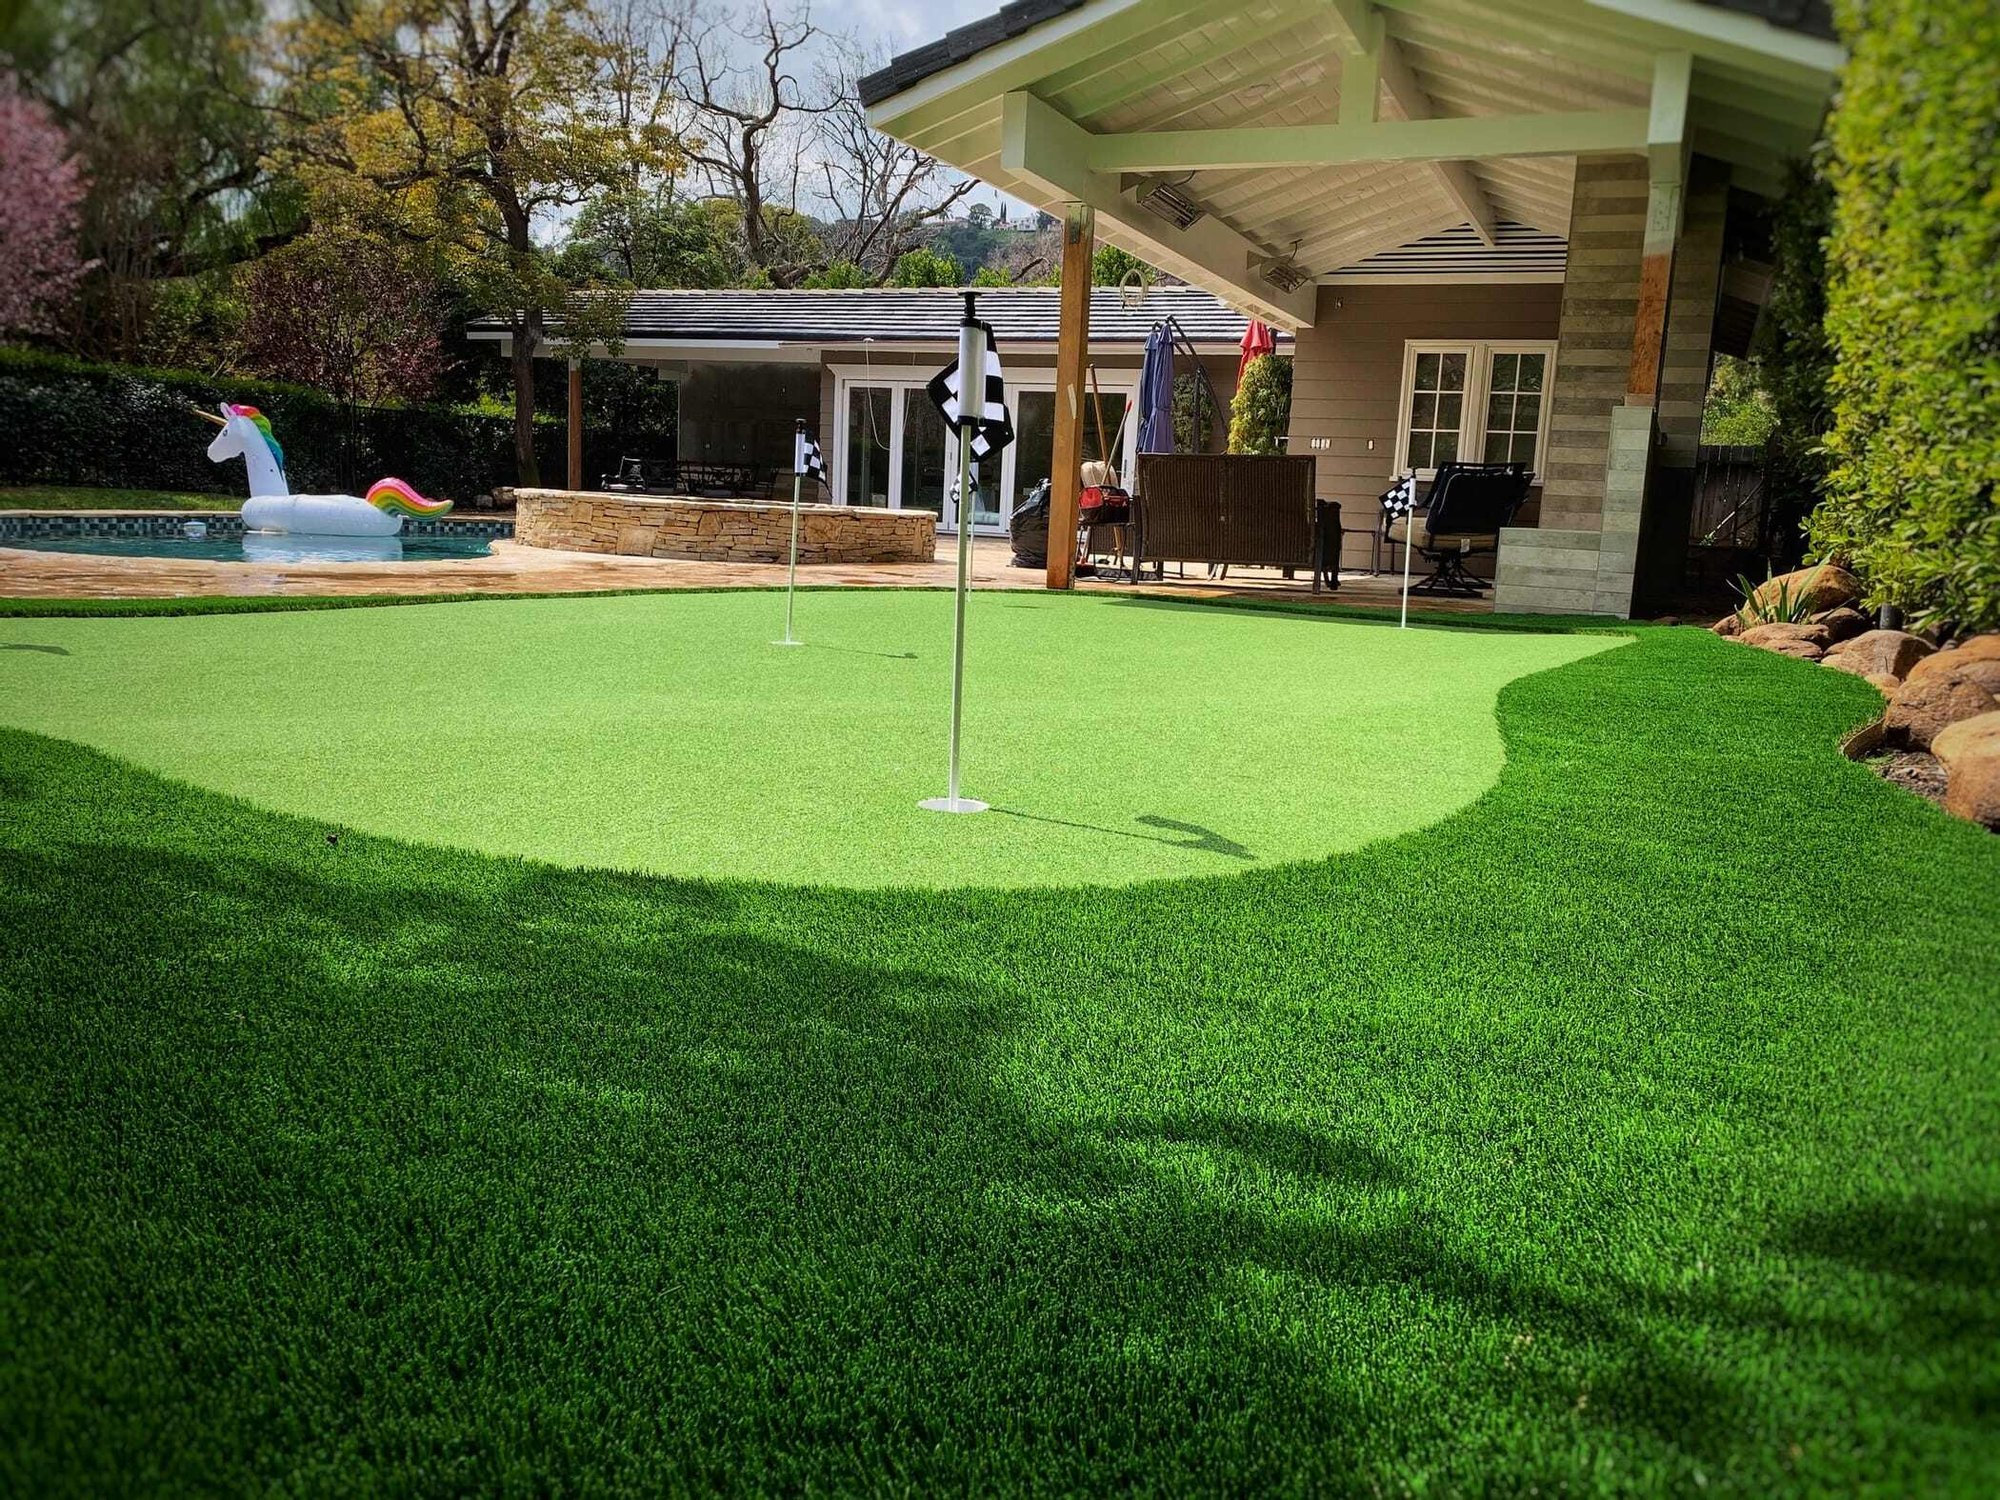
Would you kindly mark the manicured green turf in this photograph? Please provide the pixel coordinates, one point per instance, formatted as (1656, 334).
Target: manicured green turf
(82, 497)
(1121, 740)
(1634, 1130)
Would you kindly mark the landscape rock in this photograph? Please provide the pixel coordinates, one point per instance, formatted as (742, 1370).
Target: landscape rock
(1969, 751)
(1822, 587)
(1728, 625)
(1879, 653)
(1927, 704)
(1772, 637)
(1800, 650)
(1977, 658)
(1841, 624)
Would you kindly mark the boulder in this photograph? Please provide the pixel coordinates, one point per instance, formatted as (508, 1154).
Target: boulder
(1883, 653)
(1774, 637)
(1925, 705)
(1977, 658)
(1841, 624)
(1728, 625)
(1882, 682)
(1821, 587)
(1969, 751)
(1799, 650)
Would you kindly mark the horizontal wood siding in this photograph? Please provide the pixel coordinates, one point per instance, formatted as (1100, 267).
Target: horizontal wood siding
(1347, 383)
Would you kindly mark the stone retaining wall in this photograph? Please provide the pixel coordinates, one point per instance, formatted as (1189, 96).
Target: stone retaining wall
(719, 530)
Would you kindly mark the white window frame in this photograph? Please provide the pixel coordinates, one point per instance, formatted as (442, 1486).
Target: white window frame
(906, 383)
(1478, 380)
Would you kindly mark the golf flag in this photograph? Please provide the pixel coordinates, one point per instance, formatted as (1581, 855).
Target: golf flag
(806, 459)
(992, 423)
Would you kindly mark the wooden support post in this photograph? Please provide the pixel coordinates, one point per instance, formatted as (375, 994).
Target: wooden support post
(1667, 157)
(576, 424)
(1072, 353)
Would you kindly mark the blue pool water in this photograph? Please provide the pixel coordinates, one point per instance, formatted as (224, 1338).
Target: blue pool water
(265, 548)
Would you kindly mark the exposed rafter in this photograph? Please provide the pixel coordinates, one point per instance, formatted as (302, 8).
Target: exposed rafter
(1462, 138)
(1372, 64)
(1051, 153)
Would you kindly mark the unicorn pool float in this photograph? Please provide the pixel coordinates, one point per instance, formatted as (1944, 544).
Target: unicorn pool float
(272, 507)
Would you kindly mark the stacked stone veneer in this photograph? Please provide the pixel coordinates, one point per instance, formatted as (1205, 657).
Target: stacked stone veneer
(1602, 485)
(720, 530)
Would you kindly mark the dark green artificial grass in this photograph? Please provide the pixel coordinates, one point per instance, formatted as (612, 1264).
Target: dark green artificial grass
(1633, 1130)
(91, 497)
(1119, 740)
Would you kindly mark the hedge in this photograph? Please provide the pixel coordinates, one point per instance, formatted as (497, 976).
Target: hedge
(80, 424)
(1913, 308)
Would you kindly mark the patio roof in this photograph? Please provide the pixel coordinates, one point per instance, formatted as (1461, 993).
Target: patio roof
(905, 317)
(1472, 117)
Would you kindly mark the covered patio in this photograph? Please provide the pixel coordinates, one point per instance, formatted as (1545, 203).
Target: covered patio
(1497, 230)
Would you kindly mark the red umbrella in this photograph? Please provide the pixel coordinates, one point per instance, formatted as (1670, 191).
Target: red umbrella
(1257, 339)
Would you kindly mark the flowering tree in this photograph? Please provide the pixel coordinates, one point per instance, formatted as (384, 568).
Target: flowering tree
(345, 314)
(41, 189)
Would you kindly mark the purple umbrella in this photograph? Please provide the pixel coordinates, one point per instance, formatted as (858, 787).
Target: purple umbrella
(1156, 392)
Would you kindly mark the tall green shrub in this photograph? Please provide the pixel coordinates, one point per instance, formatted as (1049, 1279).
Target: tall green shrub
(1913, 308)
(1261, 410)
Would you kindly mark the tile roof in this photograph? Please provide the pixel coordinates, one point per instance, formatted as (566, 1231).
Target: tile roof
(928, 315)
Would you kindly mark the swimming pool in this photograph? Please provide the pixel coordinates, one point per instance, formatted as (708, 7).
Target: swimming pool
(220, 537)
(261, 547)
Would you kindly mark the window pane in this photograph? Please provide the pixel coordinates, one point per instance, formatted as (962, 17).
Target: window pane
(1420, 451)
(1506, 371)
(1451, 374)
(1423, 412)
(868, 445)
(923, 454)
(1449, 408)
(1531, 371)
(1499, 413)
(1524, 449)
(1528, 413)
(1427, 372)
(1496, 447)
(1446, 449)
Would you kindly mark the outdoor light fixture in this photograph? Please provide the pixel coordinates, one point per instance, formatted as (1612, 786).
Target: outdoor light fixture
(1170, 203)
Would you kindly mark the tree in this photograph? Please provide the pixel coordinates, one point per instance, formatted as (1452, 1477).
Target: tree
(764, 136)
(41, 197)
(979, 215)
(922, 267)
(1109, 266)
(1737, 412)
(652, 239)
(344, 314)
(1260, 412)
(841, 274)
(1913, 309)
(163, 103)
(462, 127)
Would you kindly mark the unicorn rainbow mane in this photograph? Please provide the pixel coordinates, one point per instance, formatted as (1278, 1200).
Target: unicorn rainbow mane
(263, 424)
(398, 499)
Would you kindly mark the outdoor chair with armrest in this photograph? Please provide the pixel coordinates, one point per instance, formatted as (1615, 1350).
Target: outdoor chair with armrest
(1462, 516)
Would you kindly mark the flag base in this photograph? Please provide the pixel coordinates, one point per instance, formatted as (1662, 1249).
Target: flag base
(952, 805)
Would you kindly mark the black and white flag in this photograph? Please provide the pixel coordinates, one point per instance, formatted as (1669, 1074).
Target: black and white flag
(807, 459)
(994, 425)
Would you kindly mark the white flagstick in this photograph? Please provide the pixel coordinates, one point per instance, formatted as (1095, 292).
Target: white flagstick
(792, 571)
(1409, 541)
(971, 408)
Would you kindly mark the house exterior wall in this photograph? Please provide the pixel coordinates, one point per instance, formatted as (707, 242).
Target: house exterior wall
(1348, 374)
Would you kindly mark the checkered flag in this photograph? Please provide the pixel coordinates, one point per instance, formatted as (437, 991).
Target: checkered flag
(806, 458)
(993, 425)
(1401, 497)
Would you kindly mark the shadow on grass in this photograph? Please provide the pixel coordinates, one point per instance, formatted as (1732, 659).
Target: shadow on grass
(1198, 838)
(393, 1164)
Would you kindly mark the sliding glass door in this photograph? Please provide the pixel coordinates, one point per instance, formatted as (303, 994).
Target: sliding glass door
(896, 452)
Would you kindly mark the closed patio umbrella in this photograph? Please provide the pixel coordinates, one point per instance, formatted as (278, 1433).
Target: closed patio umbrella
(1257, 339)
(1156, 392)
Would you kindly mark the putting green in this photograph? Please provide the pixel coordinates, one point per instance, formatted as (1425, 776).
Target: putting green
(1118, 740)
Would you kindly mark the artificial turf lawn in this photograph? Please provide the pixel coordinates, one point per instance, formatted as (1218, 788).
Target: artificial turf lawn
(1120, 740)
(1633, 1130)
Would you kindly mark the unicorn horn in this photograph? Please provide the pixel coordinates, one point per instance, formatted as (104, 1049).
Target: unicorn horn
(207, 416)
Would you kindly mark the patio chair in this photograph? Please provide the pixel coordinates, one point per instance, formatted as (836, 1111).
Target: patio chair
(1467, 506)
